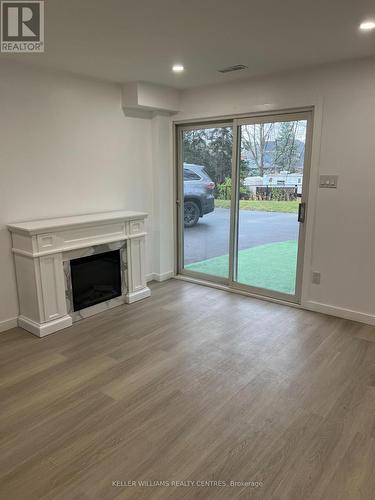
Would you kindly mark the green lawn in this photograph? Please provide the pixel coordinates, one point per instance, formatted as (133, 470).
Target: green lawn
(271, 266)
(263, 206)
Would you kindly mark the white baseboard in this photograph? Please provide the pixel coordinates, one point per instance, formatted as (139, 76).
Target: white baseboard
(43, 329)
(138, 295)
(160, 277)
(8, 324)
(340, 312)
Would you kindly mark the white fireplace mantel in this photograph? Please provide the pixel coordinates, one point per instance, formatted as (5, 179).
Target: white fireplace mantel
(39, 248)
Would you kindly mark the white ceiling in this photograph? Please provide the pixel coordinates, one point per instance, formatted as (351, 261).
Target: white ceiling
(130, 40)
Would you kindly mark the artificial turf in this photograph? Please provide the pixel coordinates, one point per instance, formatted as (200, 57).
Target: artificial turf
(271, 266)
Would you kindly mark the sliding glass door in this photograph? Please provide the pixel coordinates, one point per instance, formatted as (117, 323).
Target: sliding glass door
(242, 199)
(205, 176)
(270, 203)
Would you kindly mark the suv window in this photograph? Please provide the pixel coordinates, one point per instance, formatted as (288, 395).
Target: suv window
(189, 175)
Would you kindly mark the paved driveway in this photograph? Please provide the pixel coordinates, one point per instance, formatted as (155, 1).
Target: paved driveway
(210, 237)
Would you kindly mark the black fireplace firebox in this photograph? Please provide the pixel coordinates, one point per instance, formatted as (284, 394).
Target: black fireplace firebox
(95, 279)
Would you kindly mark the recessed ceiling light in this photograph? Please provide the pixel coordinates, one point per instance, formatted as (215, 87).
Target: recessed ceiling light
(178, 68)
(367, 26)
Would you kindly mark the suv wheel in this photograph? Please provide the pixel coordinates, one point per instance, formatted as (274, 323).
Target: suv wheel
(191, 213)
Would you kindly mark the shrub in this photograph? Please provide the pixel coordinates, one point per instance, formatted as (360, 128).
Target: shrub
(224, 190)
(278, 194)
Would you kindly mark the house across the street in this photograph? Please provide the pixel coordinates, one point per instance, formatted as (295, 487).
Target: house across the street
(282, 179)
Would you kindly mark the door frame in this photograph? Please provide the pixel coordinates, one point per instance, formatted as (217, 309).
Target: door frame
(235, 121)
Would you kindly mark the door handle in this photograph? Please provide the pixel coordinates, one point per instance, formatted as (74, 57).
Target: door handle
(301, 212)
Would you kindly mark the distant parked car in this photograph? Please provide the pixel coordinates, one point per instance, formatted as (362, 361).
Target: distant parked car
(198, 194)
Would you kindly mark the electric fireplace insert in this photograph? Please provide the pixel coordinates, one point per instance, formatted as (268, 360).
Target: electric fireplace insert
(95, 279)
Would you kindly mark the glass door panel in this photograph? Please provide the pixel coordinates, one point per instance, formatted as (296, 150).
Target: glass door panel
(270, 180)
(205, 172)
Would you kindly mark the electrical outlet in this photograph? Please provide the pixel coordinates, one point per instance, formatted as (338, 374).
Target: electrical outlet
(316, 278)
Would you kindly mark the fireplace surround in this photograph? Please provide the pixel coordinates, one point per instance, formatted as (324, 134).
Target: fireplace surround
(46, 251)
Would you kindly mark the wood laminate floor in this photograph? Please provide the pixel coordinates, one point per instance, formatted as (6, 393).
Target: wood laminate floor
(193, 384)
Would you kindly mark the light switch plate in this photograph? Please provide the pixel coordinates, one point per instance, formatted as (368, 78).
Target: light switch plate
(328, 181)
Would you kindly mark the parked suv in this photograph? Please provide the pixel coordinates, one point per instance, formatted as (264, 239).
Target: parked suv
(198, 194)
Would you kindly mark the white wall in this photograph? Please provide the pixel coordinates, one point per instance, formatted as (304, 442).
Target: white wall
(65, 148)
(341, 224)
(163, 199)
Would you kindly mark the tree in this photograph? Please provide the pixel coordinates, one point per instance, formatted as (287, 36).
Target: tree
(286, 153)
(195, 147)
(255, 140)
(220, 147)
(211, 148)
